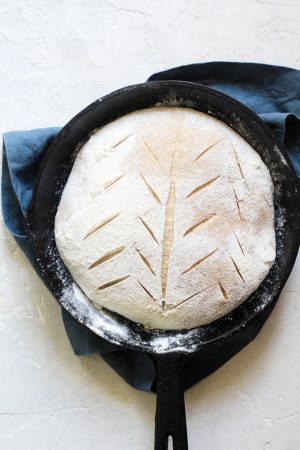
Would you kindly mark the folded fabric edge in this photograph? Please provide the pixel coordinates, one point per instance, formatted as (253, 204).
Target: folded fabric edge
(32, 144)
(11, 211)
(208, 65)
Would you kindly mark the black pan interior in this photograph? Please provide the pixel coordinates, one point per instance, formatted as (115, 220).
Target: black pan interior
(54, 173)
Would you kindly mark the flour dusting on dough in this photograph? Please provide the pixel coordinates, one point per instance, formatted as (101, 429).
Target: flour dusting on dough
(167, 218)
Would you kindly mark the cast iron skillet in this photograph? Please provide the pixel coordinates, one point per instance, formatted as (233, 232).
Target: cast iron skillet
(171, 349)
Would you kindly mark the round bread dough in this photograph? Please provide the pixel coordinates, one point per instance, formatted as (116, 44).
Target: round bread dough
(167, 218)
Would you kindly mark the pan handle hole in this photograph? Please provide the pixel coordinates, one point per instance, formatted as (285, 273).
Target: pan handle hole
(170, 443)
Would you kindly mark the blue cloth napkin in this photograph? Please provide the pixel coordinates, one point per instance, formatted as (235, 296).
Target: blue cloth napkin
(272, 92)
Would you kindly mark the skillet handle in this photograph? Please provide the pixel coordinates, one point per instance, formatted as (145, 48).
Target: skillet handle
(170, 417)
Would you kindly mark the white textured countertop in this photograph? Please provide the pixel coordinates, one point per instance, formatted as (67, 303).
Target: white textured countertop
(56, 58)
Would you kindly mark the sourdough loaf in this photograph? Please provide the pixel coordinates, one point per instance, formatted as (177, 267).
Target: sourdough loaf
(167, 218)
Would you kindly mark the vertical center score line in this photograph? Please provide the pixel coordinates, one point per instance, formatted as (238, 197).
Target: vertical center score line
(169, 225)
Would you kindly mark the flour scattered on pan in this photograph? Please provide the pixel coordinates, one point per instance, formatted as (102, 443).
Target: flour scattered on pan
(278, 152)
(104, 320)
(109, 325)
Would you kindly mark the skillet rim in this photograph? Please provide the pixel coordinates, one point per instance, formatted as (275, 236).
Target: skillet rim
(255, 122)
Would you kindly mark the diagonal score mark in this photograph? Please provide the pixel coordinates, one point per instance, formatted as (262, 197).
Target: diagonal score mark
(189, 298)
(146, 290)
(148, 229)
(112, 283)
(122, 140)
(150, 151)
(200, 261)
(267, 201)
(201, 222)
(145, 261)
(106, 257)
(240, 245)
(236, 267)
(224, 293)
(237, 201)
(113, 181)
(202, 186)
(150, 189)
(207, 149)
(101, 225)
(239, 164)
(169, 224)
(237, 160)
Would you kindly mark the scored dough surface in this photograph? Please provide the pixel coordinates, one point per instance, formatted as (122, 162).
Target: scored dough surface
(167, 218)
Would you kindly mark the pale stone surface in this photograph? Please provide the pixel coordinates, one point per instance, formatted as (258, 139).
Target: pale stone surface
(56, 58)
